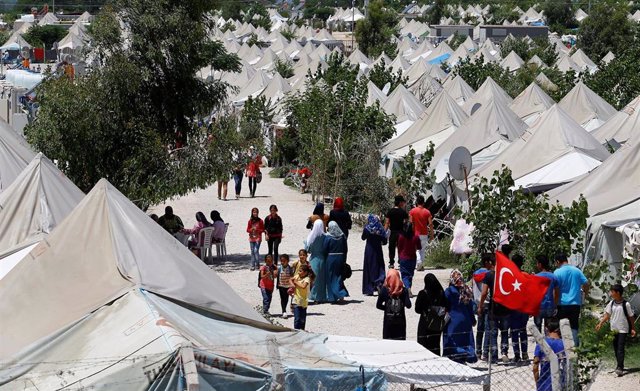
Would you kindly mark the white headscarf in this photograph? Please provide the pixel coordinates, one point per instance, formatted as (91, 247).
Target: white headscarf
(316, 231)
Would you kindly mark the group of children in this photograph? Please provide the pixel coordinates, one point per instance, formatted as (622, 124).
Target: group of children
(291, 280)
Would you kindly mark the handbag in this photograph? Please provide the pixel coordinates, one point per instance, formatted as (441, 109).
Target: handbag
(436, 318)
(346, 271)
(259, 177)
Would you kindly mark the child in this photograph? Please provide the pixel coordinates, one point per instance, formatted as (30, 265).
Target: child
(302, 284)
(255, 228)
(273, 232)
(302, 260)
(620, 315)
(285, 272)
(542, 373)
(268, 274)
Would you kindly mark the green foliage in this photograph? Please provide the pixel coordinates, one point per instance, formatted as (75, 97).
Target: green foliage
(380, 76)
(119, 122)
(519, 45)
(258, 16)
(501, 12)
(255, 120)
(535, 226)
(593, 346)
(228, 26)
(339, 69)
(606, 29)
(340, 137)
(288, 33)
(609, 84)
(436, 12)
(46, 36)
(284, 68)
(456, 40)
(559, 15)
(414, 176)
(544, 50)
(254, 40)
(319, 9)
(475, 72)
(375, 34)
(564, 81)
(440, 256)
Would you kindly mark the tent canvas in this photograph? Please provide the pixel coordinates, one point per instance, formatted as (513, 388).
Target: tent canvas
(531, 103)
(459, 90)
(15, 155)
(622, 126)
(489, 91)
(586, 107)
(403, 104)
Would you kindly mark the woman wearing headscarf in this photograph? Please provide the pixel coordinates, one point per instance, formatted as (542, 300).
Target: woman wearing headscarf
(373, 265)
(335, 250)
(431, 296)
(341, 216)
(314, 245)
(393, 299)
(458, 339)
(318, 214)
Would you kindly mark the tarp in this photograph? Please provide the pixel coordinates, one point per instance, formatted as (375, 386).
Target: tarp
(552, 137)
(622, 126)
(586, 107)
(15, 155)
(36, 202)
(531, 102)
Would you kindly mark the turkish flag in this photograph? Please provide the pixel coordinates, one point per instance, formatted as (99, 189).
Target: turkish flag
(517, 290)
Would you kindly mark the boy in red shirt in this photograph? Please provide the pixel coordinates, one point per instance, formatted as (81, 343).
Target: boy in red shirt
(422, 222)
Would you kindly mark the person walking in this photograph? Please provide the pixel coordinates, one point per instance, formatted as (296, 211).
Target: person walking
(318, 214)
(422, 222)
(373, 272)
(458, 336)
(341, 216)
(431, 302)
(223, 181)
(253, 172)
(303, 256)
(335, 250)
(285, 273)
(255, 228)
(548, 306)
(273, 231)
(393, 299)
(497, 318)
(620, 316)
(300, 301)
(268, 274)
(572, 284)
(314, 244)
(394, 222)
(408, 246)
(237, 179)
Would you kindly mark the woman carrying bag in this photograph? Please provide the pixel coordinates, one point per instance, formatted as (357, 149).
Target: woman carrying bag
(432, 305)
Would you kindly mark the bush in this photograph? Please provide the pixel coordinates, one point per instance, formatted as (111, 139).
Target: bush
(440, 257)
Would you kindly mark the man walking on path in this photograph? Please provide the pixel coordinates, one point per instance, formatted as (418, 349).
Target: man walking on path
(572, 283)
(422, 222)
(394, 222)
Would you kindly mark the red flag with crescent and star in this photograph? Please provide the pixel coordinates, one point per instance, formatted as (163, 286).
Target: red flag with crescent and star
(518, 290)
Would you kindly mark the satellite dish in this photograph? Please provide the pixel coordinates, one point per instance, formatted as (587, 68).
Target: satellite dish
(460, 163)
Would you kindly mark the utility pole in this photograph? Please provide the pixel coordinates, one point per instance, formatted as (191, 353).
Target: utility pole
(353, 23)
(366, 8)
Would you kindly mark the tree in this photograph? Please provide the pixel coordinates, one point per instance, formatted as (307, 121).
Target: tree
(535, 225)
(518, 45)
(380, 76)
(284, 68)
(376, 32)
(134, 118)
(414, 175)
(559, 15)
(436, 12)
(44, 35)
(606, 29)
(475, 72)
(258, 16)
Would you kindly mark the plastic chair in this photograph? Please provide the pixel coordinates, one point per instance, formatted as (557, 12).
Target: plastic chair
(221, 246)
(205, 239)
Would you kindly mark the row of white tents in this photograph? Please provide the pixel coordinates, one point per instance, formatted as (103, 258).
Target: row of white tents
(97, 295)
(76, 38)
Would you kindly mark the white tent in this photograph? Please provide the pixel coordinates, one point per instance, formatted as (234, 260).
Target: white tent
(403, 104)
(488, 91)
(127, 306)
(268, 60)
(537, 60)
(15, 42)
(399, 64)
(48, 18)
(584, 62)
(545, 82)
(580, 15)
(531, 102)
(375, 94)
(425, 89)
(460, 54)
(383, 59)
(15, 155)
(566, 64)
(254, 87)
(586, 107)
(493, 123)
(553, 151)
(358, 58)
(609, 56)
(512, 62)
(459, 90)
(276, 89)
(435, 125)
(71, 41)
(34, 204)
(622, 126)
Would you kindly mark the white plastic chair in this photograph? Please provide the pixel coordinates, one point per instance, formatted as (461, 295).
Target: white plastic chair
(205, 239)
(221, 246)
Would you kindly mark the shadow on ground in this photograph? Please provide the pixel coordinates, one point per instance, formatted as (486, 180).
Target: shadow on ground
(231, 263)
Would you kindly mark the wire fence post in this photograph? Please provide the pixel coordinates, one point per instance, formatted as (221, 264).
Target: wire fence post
(569, 348)
(550, 354)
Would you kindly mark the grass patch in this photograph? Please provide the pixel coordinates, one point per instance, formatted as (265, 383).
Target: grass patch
(279, 172)
(439, 256)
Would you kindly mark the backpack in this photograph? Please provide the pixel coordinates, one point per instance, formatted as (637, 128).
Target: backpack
(394, 309)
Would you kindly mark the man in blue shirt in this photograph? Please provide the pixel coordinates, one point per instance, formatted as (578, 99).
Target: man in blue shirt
(572, 283)
(549, 303)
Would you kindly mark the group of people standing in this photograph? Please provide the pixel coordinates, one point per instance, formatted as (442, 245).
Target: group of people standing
(246, 165)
